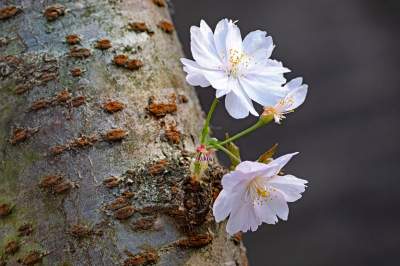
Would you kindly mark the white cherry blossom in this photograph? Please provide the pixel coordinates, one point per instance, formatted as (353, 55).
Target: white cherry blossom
(240, 69)
(295, 97)
(255, 193)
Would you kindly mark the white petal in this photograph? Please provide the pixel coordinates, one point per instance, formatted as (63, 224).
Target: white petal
(278, 205)
(220, 93)
(233, 38)
(257, 45)
(220, 33)
(236, 180)
(290, 186)
(262, 89)
(235, 107)
(294, 83)
(280, 162)
(194, 72)
(298, 95)
(203, 47)
(197, 80)
(265, 213)
(237, 103)
(242, 218)
(218, 79)
(256, 168)
(222, 206)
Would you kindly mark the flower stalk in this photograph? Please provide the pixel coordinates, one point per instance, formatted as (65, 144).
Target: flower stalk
(206, 127)
(264, 120)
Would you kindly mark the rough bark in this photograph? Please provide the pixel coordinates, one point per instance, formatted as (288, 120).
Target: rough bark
(95, 146)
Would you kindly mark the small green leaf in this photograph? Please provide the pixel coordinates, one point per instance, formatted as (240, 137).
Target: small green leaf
(266, 157)
(234, 150)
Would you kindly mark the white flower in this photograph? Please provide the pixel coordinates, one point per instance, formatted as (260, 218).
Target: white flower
(254, 193)
(295, 97)
(241, 70)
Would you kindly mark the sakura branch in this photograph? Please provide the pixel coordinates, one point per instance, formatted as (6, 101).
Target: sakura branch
(243, 72)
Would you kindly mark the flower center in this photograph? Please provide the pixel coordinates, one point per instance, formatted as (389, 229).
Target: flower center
(257, 190)
(280, 109)
(237, 60)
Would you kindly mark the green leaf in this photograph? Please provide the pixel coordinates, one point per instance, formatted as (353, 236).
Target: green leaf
(266, 157)
(234, 150)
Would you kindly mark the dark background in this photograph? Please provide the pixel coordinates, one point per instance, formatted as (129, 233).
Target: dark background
(347, 131)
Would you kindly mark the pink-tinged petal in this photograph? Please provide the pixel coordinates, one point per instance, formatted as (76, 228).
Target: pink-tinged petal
(237, 103)
(277, 203)
(222, 205)
(265, 213)
(221, 30)
(258, 45)
(242, 218)
(233, 39)
(280, 162)
(203, 47)
(194, 72)
(290, 186)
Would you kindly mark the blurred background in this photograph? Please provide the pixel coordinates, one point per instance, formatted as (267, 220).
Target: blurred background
(347, 131)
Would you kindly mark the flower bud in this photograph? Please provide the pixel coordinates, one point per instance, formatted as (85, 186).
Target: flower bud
(200, 163)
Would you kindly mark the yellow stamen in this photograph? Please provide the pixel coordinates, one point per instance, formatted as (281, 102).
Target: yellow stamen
(236, 58)
(262, 193)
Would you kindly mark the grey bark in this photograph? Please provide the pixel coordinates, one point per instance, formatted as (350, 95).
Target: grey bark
(94, 169)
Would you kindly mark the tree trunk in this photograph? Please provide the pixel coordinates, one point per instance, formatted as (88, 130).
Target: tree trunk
(97, 129)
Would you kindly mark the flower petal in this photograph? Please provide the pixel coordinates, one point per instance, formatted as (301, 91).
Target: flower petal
(257, 45)
(256, 168)
(236, 180)
(203, 47)
(243, 218)
(233, 39)
(221, 30)
(218, 79)
(222, 206)
(265, 213)
(294, 83)
(220, 93)
(262, 89)
(290, 186)
(298, 96)
(237, 103)
(277, 203)
(194, 72)
(280, 162)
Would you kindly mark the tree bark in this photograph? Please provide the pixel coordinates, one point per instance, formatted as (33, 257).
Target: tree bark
(97, 129)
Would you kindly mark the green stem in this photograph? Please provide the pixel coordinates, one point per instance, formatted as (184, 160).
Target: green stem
(261, 122)
(204, 132)
(222, 148)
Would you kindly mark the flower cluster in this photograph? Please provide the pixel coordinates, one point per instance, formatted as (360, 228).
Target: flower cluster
(243, 72)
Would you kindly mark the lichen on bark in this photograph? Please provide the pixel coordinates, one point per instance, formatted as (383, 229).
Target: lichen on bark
(154, 207)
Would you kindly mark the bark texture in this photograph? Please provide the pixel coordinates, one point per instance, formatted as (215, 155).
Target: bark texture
(97, 127)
